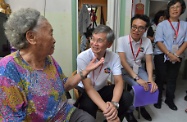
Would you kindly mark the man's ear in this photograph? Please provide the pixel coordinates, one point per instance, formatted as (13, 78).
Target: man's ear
(30, 36)
(109, 44)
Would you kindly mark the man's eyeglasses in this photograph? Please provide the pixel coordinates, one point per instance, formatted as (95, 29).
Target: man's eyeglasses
(140, 28)
(97, 40)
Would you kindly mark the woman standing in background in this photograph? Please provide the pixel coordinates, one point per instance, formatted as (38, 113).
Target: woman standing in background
(171, 40)
(159, 17)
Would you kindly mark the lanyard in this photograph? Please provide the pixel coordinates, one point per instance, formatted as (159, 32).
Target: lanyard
(94, 80)
(176, 31)
(133, 50)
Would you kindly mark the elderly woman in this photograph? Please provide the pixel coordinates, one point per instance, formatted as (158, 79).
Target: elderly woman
(32, 84)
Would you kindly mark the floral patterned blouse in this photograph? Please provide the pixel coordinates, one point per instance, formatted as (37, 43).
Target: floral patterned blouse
(32, 95)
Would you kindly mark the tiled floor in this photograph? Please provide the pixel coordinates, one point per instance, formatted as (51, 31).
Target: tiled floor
(165, 114)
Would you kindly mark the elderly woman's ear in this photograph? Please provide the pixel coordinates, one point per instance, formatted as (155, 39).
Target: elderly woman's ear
(30, 37)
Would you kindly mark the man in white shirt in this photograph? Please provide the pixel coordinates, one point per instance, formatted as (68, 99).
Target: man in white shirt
(132, 49)
(111, 99)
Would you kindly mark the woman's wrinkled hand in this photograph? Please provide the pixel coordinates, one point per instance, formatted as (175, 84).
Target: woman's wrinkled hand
(93, 64)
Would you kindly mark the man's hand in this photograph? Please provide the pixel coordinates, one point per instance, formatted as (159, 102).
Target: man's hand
(154, 86)
(144, 84)
(111, 113)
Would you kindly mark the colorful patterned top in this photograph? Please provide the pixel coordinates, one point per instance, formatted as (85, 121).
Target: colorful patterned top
(32, 95)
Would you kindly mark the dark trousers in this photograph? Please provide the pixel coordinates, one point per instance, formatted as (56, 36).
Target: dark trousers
(166, 72)
(106, 93)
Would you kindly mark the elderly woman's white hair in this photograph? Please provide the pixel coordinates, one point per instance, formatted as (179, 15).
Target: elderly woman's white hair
(18, 23)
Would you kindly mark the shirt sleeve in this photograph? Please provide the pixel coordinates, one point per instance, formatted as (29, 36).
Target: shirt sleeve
(150, 47)
(120, 45)
(82, 62)
(13, 100)
(159, 33)
(185, 40)
(117, 66)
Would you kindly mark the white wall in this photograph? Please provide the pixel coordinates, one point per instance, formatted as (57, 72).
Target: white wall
(128, 13)
(58, 12)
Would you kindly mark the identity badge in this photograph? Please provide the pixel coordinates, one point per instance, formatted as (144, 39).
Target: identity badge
(135, 68)
(175, 47)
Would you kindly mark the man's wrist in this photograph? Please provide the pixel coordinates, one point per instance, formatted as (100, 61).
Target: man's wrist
(116, 104)
(82, 76)
(136, 78)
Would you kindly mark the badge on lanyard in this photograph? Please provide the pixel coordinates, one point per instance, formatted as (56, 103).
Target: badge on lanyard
(175, 47)
(135, 65)
(135, 68)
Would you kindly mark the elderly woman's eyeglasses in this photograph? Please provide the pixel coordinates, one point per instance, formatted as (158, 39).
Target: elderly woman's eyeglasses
(140, 28)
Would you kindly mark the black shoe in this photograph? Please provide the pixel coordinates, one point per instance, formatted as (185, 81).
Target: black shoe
(171, 104)
(130, 117)
(158, 105)
(145, 114)
(185, 98)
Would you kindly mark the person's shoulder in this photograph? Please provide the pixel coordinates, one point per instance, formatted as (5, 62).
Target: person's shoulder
(85, 53)
(123, 39)
(146, 40)
(183, 25)
(5, 60)
(111, 57)
(183, 22)
(165, 22)
(112, 54)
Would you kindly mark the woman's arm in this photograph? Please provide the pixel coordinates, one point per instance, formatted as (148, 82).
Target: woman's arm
(13, 100)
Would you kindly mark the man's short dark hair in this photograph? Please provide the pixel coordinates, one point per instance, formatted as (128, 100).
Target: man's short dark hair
(143, 17)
